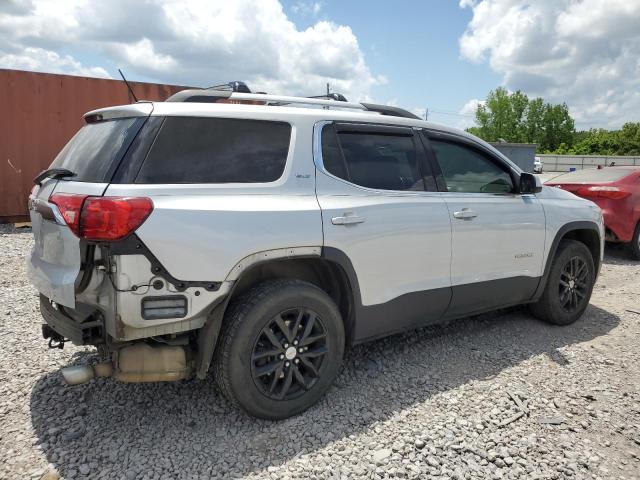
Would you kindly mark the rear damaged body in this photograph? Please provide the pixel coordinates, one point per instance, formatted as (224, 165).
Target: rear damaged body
(148, 299)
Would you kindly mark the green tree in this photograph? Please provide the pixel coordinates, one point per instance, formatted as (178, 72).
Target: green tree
(534, 124)
(515, 118)
(599, 141)
(558, 127)
(502, 116)
(629, 138)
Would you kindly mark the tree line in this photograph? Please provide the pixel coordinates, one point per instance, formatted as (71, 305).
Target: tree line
(514, 118)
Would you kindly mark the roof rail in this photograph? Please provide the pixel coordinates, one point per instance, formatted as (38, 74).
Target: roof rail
(235, 86)
(213, 96)
(391, 111)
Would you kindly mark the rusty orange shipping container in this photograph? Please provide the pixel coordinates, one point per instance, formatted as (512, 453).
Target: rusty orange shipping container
(40, 113)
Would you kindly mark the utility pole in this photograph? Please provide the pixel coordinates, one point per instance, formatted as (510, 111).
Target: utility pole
(426, 114)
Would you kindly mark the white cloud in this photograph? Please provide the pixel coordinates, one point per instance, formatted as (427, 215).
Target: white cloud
(585, 53)
(307, 8)
(143, 54)
(45, 60)
(196, 42)
(467, 113)
(471, 107)
(419, 111)
(467, 3)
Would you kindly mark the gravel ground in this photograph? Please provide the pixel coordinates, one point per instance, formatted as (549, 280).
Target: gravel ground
(428, 404)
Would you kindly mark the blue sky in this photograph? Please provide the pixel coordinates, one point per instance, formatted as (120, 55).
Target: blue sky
(415, 47)
(444, 55)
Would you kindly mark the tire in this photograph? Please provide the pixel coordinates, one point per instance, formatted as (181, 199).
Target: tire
(569, 285)
(247, 351)
(635, 243)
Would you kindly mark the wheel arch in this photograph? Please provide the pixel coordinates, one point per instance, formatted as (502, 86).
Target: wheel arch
(585, 232)
(325, 273)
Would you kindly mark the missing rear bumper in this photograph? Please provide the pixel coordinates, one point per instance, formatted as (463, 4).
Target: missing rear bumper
(86, 329)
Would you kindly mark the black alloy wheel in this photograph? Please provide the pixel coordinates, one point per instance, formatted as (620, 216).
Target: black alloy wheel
(280, 348)
(569, 284)
(288, 354)
(574, 284)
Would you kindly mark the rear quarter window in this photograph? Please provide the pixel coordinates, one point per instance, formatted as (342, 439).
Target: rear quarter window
(217, 150)
(95, 151)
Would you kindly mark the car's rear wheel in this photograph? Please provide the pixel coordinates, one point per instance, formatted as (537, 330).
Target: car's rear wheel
(280, 348)
(635, 243)
(569, 285)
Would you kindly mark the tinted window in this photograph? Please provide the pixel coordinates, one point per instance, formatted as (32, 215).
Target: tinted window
(331, 155)
(217, 150)
(380, 161)
(94, 151)
(467, 170)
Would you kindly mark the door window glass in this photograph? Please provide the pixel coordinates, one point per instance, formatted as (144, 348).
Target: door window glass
(372, 160)
(331, 155)
(467, 170)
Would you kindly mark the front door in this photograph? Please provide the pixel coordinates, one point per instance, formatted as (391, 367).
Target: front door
(498, 234)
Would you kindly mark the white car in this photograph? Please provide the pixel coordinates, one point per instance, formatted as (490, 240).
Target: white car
(537, 165)
(265, 238)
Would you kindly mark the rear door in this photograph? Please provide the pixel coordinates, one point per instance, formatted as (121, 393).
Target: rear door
(93, 155)
(498, 234)
(381, 210)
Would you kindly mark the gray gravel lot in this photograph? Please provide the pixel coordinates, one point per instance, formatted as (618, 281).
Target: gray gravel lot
(434, 403)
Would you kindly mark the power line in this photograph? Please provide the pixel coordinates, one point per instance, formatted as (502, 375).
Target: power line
(452, 113)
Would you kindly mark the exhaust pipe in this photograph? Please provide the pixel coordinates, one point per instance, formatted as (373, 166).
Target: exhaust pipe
(79, 374)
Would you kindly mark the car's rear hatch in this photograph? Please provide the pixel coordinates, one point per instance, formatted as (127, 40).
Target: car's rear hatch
(93, 156)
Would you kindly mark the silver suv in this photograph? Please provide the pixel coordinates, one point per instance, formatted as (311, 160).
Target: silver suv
(264, 235)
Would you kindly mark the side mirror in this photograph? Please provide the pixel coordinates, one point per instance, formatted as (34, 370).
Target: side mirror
(530, 183)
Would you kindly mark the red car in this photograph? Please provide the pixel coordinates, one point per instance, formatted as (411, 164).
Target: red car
(616, 190)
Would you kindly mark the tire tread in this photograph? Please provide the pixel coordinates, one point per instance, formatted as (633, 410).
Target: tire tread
(544, 308)
(232, 322)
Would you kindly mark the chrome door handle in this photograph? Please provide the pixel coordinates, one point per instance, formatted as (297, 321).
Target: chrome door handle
(347, 220)
(465, 213)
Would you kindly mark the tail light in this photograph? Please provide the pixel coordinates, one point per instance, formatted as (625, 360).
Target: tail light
(102, 218)
(70, 206)
(597, 191)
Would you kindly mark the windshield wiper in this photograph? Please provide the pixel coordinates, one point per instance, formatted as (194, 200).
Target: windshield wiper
(53, 173)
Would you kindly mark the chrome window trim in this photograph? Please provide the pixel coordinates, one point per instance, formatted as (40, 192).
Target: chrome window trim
(317, 160)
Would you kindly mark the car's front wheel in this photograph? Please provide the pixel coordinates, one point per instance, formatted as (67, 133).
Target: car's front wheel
(280, 348)
(569, 285)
